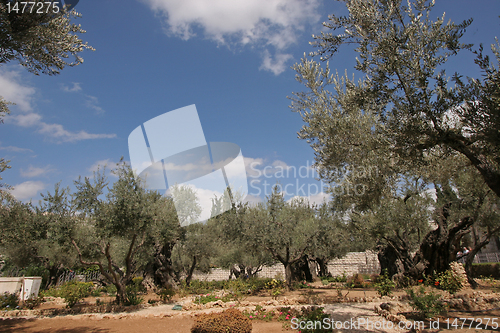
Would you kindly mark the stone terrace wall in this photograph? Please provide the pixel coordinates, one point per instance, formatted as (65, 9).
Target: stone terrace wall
(352, 263)
(355, 262)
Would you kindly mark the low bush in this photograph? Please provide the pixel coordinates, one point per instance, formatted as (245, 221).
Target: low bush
(428, 304)
(132, 292)
(356, 281)
(259, 314)
(32, 302)
(384, 284)
(338, 278)
(312, 315)
(74, 291)
(204, 299)
(110, 289)
(486, 270)
(9, 301)
(230, 320)
(166, 294)
(449, 281)
(302, 285)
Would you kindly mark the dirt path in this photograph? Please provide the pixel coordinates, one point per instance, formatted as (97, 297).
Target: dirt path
(163, 319)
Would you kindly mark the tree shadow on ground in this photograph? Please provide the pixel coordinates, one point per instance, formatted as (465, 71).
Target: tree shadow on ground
(29, 325)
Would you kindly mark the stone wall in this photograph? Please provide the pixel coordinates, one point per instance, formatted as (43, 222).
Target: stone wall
(352, 263)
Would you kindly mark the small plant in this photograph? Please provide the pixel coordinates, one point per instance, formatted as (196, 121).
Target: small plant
(313, 314)
(230, 320)
(275, 287)
(238, 289)
(166, 294)
(428, 304)
(111, 289)
(9, 301)
(259, 314)
(96, 292)
(302, 285)
(74, 291)
(384, 284)
(356, 281)
(338, 278)
(98, 302)
(449, 281)
(33, 302)
(132, 291)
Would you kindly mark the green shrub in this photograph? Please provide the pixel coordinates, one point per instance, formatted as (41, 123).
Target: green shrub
(486, 270)
(33, 302)
(356, 281)
(74, 291)
(313, 314)
(238, 289)
(449, 281)
(384, 284)
(96, 292)
(166, 294)
(204, 299)
(132, 292)
(259, 313)
(338, 278)
(302, 285)
(428, 304)
(9, 301)
(111, 289)
(230, 320)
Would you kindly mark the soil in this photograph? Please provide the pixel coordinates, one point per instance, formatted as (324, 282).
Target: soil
(356, 304)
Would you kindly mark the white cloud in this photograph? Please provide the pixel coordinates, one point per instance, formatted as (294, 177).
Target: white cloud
(257, 168)
(25, 120)
(13, 90)
(101, 164)
(93, 103)
(57, 131)
(76, 87)
(276, 65)
(252, 199)
(90, 101)
(260, 23)
(253, 166)
(35, 172)
(317, 199)
(27, 189)
(16, 149)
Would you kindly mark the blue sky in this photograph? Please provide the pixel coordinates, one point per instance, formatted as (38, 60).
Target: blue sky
(230, 58)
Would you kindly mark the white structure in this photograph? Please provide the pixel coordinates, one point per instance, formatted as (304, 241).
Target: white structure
(26, 286)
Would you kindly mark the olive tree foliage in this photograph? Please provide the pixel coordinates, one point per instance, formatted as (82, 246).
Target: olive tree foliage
(193, 250)
(286, 230)
(401, 52)
(41, 43)
(401, 119)
(116, 227)
(332, 239)
(461, 201)
(38, 235)
(236, 252)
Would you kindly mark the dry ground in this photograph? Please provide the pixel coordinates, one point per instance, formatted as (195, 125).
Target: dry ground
(163, 319)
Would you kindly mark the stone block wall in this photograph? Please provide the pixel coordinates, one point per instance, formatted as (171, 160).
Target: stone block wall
(352, 263)
(355, 262)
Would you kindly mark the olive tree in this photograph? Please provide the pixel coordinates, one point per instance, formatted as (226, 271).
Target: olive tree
(116, 227)
(403, 117)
